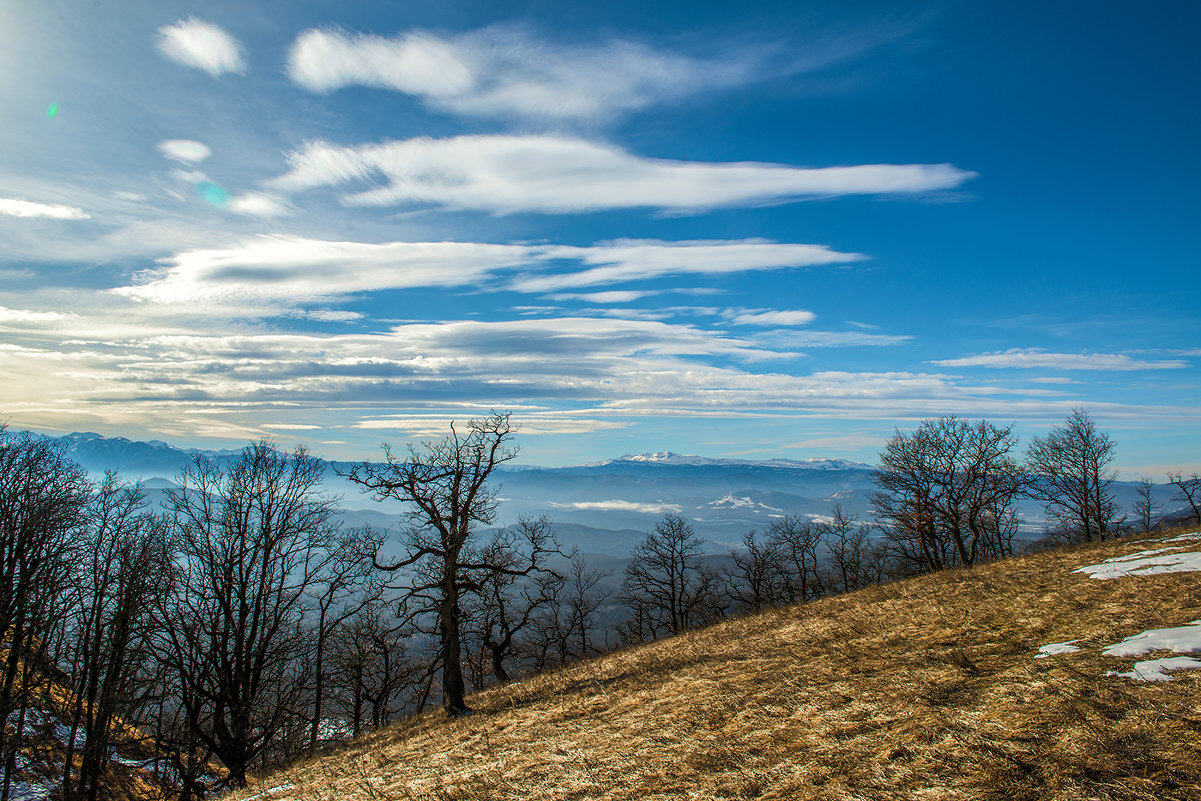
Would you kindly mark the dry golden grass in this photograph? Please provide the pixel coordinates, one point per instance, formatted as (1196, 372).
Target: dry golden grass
(926, 688)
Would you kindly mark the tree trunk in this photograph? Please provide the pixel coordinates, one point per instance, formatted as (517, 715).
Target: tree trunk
(453, 689)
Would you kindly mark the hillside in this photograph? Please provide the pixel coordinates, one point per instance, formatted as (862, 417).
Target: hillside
(928, 688)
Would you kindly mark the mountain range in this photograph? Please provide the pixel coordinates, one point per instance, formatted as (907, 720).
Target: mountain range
(604, 507)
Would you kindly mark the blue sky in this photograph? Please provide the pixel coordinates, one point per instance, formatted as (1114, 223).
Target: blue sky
(762, 230)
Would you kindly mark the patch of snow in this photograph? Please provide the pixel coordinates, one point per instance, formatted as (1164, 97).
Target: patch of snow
(1051, 649)
(1158, 669)
(268, 793)
(1182, 640)
(1196, 535)
(38, 787)
(1144, 554)
(1187, 562)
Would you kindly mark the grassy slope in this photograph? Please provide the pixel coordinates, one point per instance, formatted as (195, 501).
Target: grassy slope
(925, 688)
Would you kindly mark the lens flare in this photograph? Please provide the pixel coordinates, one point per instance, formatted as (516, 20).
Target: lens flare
(213, 194)
(52, 111)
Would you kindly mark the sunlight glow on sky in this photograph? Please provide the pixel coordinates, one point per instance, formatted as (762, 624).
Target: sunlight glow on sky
(775, 230)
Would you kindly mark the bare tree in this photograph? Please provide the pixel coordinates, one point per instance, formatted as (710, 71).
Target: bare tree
(253, 539)
(508, 593)
(339, 592)
(121, 573)
(666, 587)
(847, 549)
(445, 486)
(755, 580)
(1188, 490)
(1144, 504)
(1074, 477)
(43, 502)
(375, 676)
(944, 488)
(796, 540)
(583, 598)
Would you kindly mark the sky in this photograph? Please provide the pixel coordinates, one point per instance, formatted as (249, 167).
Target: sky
(755, 230)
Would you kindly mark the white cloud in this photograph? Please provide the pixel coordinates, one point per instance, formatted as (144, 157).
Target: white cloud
(278, 272)
(614, 296)
(554, 174)
(15, 207)
(419, 64)
(8, 315)
(286, 269)
(1029, 358)
(200, 44)
(330, 316)
(508, 71)
(621, 506)
(798, 317)
(531, 422)
(185, 150)
(254, 204)
(644, 259)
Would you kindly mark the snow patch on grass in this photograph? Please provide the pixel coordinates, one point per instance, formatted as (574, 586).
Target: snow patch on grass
(1143, 554)
(1158, 669)
(1051, 649)
(1187, 562)
(1181, 639)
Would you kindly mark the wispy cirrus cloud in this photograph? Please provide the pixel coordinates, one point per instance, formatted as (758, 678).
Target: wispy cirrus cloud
(1033, 357)
(185, 150)
(510, 71)
(203, 45)
(286, 270)
(16, 207)
(644, 259)
(504, 174)
(621, 506)
(775, 318)
(280, 272)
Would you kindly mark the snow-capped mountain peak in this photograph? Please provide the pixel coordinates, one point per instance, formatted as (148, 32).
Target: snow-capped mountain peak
(676, 459)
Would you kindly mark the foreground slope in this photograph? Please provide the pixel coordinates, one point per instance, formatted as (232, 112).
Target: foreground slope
(926, 688)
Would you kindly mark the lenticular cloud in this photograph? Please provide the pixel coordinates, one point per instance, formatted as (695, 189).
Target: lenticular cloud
(556, 174)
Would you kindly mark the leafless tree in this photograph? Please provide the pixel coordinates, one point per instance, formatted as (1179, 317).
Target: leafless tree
(1188, 490)
(375, 675)
(346, 586)
(254, 538)
(1074, 477)
(756, 579)
(118, 576)
(1144, 504)
(445, 486)
(508, 595)
(796, 540)
(583, 599)
(666, 587)
(944, 488)
(847, 551)
(43, 523)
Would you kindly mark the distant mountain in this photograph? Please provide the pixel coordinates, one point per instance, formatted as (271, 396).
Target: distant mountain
(134, 459)
(675, 459)
(604, 507)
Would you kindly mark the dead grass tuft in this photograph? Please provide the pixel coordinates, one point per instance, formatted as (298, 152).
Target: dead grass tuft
(927, 688)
